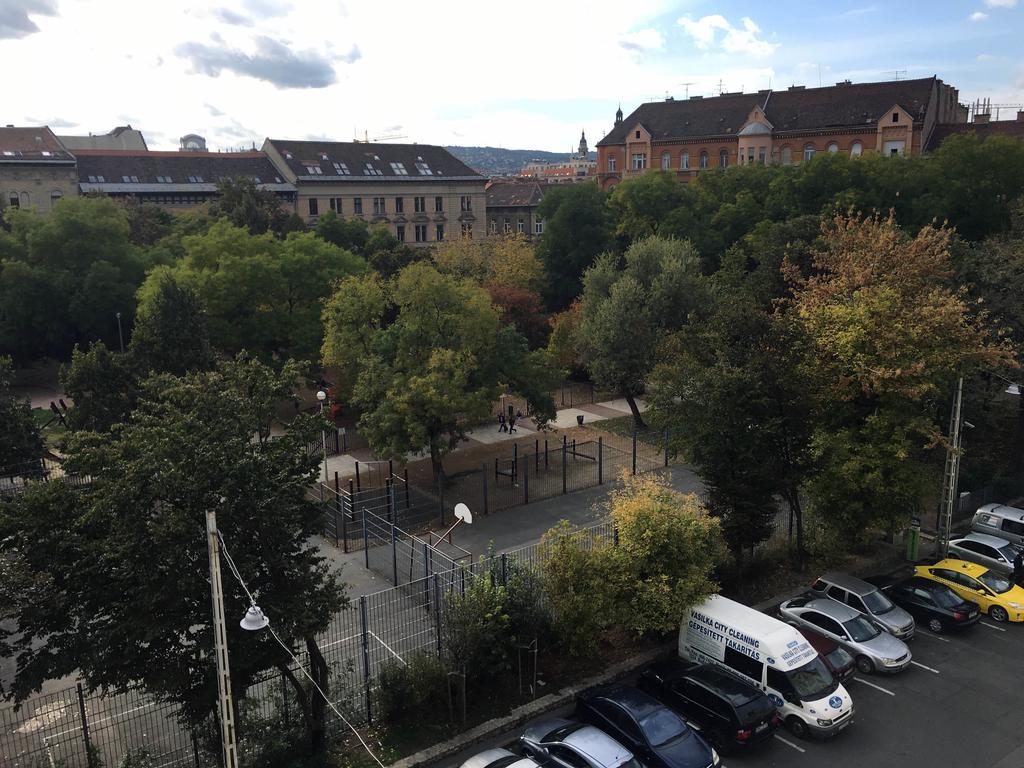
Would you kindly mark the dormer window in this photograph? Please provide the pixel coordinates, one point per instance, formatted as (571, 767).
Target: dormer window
(342, 170)
(314, 170)
(164, 180)
(369, 170)
(423, 168)
(130, 179)
(195, 179)
(399, 169)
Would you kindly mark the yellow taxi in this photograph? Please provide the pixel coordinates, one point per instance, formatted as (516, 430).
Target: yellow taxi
(997, 595)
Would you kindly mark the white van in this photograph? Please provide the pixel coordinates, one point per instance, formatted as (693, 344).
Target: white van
(772, 655)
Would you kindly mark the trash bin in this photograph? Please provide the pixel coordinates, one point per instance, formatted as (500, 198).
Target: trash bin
(914, 539)
(579, 420)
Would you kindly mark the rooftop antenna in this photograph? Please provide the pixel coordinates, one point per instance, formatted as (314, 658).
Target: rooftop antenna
(819, 75)
(687, 87)
(895, 73)
(720, 86)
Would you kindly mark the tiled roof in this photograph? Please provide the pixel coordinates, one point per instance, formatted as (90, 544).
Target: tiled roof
(845, 105)
(121, 137)
(943, 131)
(32, 145)
(514, 194)
(106, 170)
(419, 161)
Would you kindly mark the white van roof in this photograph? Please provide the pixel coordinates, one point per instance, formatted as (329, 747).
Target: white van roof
(776, 636)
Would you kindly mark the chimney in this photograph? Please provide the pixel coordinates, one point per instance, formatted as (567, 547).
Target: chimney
(981, 118)
(1020, 115)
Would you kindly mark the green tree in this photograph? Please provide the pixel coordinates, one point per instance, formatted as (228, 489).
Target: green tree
(170, 333)
(349, 234)
(20, 440)
(640, 206)
(147, 223)
(103, 386)
(625, 314)
(117, 579)
(423, 379)
(577, 227)
(243, 203)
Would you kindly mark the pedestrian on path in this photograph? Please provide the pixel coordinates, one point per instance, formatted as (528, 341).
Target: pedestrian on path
(512, 424)
(502, 426)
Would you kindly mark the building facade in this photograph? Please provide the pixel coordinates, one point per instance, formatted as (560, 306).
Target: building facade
(578, 167)
(983, 126)
(421, 193)
(122, 137)
(512, 208)
(36, 170)
(688, 136)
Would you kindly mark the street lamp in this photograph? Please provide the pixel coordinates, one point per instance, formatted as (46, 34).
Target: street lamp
(120, 336)
(321, 395)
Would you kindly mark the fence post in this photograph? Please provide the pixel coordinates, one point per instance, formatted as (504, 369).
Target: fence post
(666, 447)
(391, 468)
(394, 554)
(437, 611)
(366, 541)
(564, 446)
(337, 507)
(195, 748)
(483, 480)
(392, 506)
(344, 439)
(615, 536)
(284, 697)
(366, 655)
(504, 569)
(440, 496)
(358, 486)
(536, 454)
(526, 480)
(426, 560)
(405, 474)
(337, 443)
(545, 453)
(85, 726)
(634, 451)
(600, 459)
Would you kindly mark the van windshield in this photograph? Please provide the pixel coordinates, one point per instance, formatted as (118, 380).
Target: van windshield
(813, 680)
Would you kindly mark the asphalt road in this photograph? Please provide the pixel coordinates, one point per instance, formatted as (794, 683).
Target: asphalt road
(958, 706)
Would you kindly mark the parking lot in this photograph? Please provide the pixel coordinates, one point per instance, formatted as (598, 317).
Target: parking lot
(959, 704)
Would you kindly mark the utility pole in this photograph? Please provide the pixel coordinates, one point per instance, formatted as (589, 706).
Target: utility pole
(120, 336)
(951, 474)
(220, 644)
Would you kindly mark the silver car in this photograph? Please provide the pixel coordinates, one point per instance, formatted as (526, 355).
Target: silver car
(567, 744)
(868, 600)
(1000, 520)
(499, 758)
(872, 649)
(990, 551)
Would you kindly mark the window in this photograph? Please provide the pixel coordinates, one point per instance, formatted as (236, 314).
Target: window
(743, 664)
(439, 232)
(421, 233)
(400, 233)
(895, 117)
(778, 681)
(14, 200)
(521, 225)
(357, 206)
(703, 159)
(55, 195)
(808, 151)
(508, 225)
(836, 594)
(666, 161)
(370, 170)
(639, 161)
(466, 203)
(438, 204)
(750, 155)
(423, 168)
(399, 169)
(379, 206)
(314, 207)
(637, 134)
(856, 149)
(342, 170)
(1012, 526)
(164, 180)
(420, 204)
(611, 163)
(494, 226)
(832, 147)
(823, 622)
(195, 179)
(894, 148)
(399, 205)
(762, 155)
(335, 203)
(856, 603)
(314, 170)
(538, 226)
(723, 159)
(130, 179)
(787, 155)
(467, 229)
(566, 756)
(684, 160)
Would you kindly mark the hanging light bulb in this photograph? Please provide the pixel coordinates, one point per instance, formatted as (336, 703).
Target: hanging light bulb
(254, 620)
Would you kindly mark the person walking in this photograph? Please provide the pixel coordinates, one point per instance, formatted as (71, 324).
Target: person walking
(502, 426)
(512, 424)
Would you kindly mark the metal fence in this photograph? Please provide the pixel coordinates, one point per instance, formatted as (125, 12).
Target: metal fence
(14, 479)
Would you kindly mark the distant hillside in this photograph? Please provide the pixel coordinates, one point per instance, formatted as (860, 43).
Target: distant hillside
(495, 161)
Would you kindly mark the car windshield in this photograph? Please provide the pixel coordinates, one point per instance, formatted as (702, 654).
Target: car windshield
(995, 582)
(662, 726)
(813, 680)
(877, 603)
(945, 597)
(1008, 552)
(839, 658)
(860, 629)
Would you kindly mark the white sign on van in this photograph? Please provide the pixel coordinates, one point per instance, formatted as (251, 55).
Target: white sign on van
(713, 637)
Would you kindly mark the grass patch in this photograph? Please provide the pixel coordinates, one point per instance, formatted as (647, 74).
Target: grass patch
(49, 425)
(623, 427)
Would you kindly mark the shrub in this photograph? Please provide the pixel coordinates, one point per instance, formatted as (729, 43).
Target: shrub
(413, 689)
(476, 627)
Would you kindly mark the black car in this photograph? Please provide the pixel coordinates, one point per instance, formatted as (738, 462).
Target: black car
(655, 734)
(731, 713)
(936, 606)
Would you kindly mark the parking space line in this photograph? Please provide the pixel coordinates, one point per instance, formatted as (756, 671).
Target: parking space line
(789, 743)
(932, 635)
(873, 685)
(992, 626)
(922, 666)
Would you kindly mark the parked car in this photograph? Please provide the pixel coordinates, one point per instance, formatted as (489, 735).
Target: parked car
(730, 712)
(933, 604)
(656, 735)
(566, 744)
(499, 758)
(839, 662)
(872, 649)
(867, 600)
(994, 593)
(1000, 520)
(991, 551)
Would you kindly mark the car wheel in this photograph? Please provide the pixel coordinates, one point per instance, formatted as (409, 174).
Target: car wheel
(797, 726)
(998, 613)
(935, 625)
(864, 665)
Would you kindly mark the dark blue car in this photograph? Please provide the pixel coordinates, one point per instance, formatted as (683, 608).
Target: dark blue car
(655, 734)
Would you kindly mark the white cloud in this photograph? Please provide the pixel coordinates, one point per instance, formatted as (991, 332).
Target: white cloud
(978, 16)
(705, 33)
(643, 40)
(985, 57)
(1001, 3)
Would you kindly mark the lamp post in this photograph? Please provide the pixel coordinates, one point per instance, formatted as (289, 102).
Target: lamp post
(220, 646)
(120, 336)
(321, 395)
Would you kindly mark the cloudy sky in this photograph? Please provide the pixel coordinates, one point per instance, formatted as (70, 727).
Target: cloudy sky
(524, 74)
